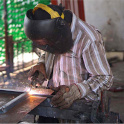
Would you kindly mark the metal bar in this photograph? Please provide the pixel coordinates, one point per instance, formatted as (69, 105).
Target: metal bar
(10, 91)
(18, 56)
(22, 56)
(43, 95)
(11, 53)
(13, 102)
(6, 37)
(81, 9)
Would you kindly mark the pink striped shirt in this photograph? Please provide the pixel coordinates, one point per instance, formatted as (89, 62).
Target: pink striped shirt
(86, 57)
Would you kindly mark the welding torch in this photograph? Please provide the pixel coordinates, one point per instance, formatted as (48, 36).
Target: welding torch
(34, 79)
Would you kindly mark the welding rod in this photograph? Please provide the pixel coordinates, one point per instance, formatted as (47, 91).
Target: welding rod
(13, 102)
(43, 95)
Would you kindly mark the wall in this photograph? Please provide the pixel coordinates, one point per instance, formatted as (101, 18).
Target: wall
(108, 17)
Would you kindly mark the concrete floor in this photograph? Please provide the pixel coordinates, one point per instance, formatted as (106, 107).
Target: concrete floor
(117, 105)
(117, 98)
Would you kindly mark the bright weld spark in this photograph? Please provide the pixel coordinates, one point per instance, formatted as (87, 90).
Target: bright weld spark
(32, 92)
(28, 90)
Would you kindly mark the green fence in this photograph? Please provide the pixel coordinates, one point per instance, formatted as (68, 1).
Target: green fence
(2, 45)
(16, 10)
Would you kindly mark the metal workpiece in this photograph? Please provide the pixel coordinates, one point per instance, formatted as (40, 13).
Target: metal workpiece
(27, 104)
(10, 91)
(13, 102)
(43, 95)
(81, 110)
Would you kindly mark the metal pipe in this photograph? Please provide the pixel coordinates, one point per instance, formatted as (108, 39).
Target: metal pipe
(13, 102)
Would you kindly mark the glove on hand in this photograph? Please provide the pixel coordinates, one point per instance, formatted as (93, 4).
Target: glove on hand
(65, 96)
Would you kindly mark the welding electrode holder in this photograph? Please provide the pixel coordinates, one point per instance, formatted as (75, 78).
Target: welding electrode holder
(34, 78)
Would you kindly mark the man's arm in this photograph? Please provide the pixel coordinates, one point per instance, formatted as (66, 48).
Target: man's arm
(40, 66)
(95, 61)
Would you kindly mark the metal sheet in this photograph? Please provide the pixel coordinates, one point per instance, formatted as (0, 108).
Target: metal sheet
(4, 98)
(9, 105)
(19, 111)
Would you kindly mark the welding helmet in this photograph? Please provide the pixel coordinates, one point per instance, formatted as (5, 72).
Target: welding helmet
(55, 31)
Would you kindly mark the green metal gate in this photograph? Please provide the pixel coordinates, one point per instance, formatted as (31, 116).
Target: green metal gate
(16, 10)
(2, 44)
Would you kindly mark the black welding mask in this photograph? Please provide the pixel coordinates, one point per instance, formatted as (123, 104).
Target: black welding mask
(55, 32)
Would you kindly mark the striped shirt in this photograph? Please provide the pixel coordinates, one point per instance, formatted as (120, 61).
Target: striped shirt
(86, 57)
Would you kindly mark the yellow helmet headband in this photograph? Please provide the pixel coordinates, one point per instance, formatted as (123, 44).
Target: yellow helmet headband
(53, 13)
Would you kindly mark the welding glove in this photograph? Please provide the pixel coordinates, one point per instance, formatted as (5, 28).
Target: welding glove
(65, 96)
(42, 72)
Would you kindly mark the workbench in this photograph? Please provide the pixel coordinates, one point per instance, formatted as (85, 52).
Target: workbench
(81, 110)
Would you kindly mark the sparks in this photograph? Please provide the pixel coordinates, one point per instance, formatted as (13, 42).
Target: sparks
(32, 92)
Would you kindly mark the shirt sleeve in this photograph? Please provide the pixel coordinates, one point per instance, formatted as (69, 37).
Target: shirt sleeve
(42, 58)
(96, 63)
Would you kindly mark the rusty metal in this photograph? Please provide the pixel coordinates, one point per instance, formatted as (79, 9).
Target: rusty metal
(81, 9)
(43, 95)
(66, 3)
(16, 114)
(13, 102)
(10, 91)
(6, 37)
(11, 53)
(23, 95)
(80, 110)
(54, 2)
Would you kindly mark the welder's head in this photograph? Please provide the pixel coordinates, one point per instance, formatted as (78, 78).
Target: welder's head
(48, 27)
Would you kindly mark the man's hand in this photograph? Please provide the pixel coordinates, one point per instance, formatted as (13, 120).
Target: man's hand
(65, 96)
(39, 67)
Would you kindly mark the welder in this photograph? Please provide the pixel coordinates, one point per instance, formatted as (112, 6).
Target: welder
(74, 56)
